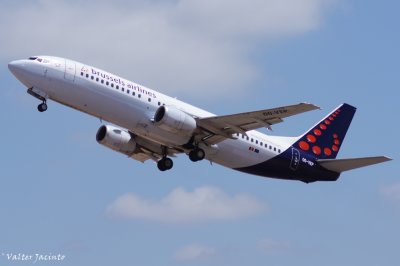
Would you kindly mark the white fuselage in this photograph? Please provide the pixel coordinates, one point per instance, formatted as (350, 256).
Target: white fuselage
(132, 106)
(152, 126)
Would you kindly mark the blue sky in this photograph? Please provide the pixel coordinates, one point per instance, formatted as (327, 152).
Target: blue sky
(61, 191)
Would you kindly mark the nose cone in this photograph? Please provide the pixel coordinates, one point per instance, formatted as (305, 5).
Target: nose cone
(16, 67)
(24, 71)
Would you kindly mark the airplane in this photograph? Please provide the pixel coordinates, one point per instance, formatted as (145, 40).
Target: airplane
(148, 125)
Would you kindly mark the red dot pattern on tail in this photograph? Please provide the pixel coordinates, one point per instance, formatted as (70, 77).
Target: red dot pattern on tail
(312, 139)
(317, 132)
(304, 145)
(316, 150)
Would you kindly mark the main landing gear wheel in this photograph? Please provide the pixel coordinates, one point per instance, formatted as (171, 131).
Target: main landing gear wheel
(197, 155)
(42, 107)
(165, 164)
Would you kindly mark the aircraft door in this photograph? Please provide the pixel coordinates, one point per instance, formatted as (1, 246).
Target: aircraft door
(70, 70)
(294, 163)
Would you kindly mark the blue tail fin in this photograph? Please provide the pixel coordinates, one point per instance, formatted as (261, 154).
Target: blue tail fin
(326, 137)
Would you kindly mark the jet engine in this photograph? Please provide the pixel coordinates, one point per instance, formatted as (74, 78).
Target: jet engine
(116, 139)
(174, 120)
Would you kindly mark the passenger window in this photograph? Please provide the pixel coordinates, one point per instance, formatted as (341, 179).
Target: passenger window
(92, 77)
(149, 100)
(97, 79)
(87, 75)
(107, 83)
(112, 85)
(122, 89)
(256, 141)
(117, 87)
(139, 95)
(133, 93)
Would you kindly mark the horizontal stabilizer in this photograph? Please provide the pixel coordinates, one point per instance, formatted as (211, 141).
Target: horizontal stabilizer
(341, 165)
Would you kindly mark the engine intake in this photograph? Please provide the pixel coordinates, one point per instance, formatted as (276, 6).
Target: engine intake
(174, 120)
(116, 139)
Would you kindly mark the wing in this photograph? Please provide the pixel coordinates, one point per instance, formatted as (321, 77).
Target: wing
(218, 128)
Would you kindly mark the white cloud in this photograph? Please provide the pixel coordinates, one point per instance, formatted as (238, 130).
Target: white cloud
(391, 192)
(194, 252)
(180, 206)
(184, 46)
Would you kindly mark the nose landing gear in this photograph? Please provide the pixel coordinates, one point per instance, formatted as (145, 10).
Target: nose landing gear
(39, 95)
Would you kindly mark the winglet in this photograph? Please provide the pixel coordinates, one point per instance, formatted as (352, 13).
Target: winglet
(341, 165)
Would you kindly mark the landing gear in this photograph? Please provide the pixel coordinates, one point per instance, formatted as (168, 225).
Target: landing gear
(39, 95)
(197, 154)
(165, 164)
(42, 107)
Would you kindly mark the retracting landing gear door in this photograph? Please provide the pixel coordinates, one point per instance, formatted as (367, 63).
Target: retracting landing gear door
(70, 70)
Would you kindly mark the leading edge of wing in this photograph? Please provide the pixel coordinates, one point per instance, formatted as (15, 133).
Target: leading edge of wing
(227, 125)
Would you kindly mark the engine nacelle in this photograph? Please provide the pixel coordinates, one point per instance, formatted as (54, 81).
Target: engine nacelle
(116, 139)
(174, 120)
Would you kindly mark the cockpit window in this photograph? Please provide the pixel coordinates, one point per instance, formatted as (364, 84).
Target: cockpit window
(41, 60)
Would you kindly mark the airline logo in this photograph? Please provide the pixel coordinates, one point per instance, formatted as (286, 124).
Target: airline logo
(312, 143)
(325, 139)
(118, 81)
(84, 69)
